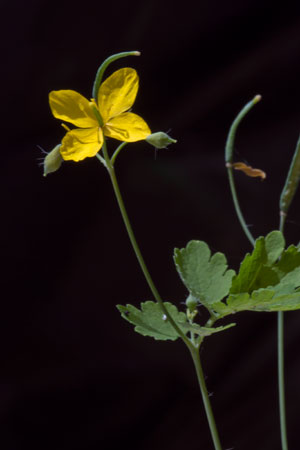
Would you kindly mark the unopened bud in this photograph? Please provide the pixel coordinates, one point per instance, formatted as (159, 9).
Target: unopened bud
(160, 139)
(53, 160)
(191, 303)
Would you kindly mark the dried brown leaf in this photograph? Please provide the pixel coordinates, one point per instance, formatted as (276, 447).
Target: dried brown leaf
(248, 170)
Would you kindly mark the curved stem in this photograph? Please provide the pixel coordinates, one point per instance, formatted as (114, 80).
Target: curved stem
(104, 65)
(237, 206)
(135, 246)
(205, 398)
(229, 147)
(116, 152)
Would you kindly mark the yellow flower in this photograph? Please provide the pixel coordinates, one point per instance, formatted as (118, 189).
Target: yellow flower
(115, 96)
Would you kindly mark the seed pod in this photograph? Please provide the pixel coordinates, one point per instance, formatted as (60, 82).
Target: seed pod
(160, 139)
(291, 182)
(53, 160)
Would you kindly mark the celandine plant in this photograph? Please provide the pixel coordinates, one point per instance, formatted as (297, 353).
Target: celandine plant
(268, 278)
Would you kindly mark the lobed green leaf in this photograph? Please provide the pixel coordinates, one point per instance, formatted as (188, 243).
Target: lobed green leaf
(256, 270)
(150, 321)
(205, 276)
(264, 300)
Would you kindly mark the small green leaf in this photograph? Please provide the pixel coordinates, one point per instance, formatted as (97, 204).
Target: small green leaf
(151, 321)
(204, 331)
(265, 300)
(205, 276)
(258, 269)
(250, 267)
(289, 261)
(274, 243)
(221, 309)
(239, 302)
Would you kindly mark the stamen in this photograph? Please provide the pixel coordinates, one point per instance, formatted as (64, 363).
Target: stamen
(65, 127)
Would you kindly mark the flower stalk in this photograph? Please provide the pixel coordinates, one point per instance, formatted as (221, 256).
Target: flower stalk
(135, 246)
(286, 198)
(229, 148)
(194, 349)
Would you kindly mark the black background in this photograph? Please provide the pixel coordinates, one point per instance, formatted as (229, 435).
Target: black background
(74, 375)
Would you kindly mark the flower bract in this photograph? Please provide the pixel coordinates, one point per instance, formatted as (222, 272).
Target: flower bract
(108, 117)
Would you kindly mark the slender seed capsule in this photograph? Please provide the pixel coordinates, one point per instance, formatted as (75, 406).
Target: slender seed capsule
(291, 182)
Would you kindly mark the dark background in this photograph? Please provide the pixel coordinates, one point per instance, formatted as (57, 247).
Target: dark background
(74, 375)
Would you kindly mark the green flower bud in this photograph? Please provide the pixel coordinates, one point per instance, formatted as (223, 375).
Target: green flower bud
(191, 303)
(53, 160)
(160, 139)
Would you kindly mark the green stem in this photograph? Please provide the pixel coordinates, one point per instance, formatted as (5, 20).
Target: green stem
(116, 152)
(286, 198)
(135, 246)
(280, 365)
(291, 183)
(288, 193)
(282, 412)
(233, 129)
(205, 398)
(228, 160)
(194, 350)
(104, 65)
(237, 206)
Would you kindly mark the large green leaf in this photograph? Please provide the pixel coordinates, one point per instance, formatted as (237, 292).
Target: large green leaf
(264, 300)
(257, 270)
(268, 279)
(274, 243)
(205, 276)
(151, 321)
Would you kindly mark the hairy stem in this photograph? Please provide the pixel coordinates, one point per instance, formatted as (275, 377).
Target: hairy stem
(205, 398)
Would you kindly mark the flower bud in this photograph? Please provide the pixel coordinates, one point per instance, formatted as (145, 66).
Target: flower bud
(191, 303)
(160, 139)
(53, 160)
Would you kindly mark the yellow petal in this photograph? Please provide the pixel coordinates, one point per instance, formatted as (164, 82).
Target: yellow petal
(81, 143)
(117, 93)
(248, 170)
(70, 106)
(127, 127)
